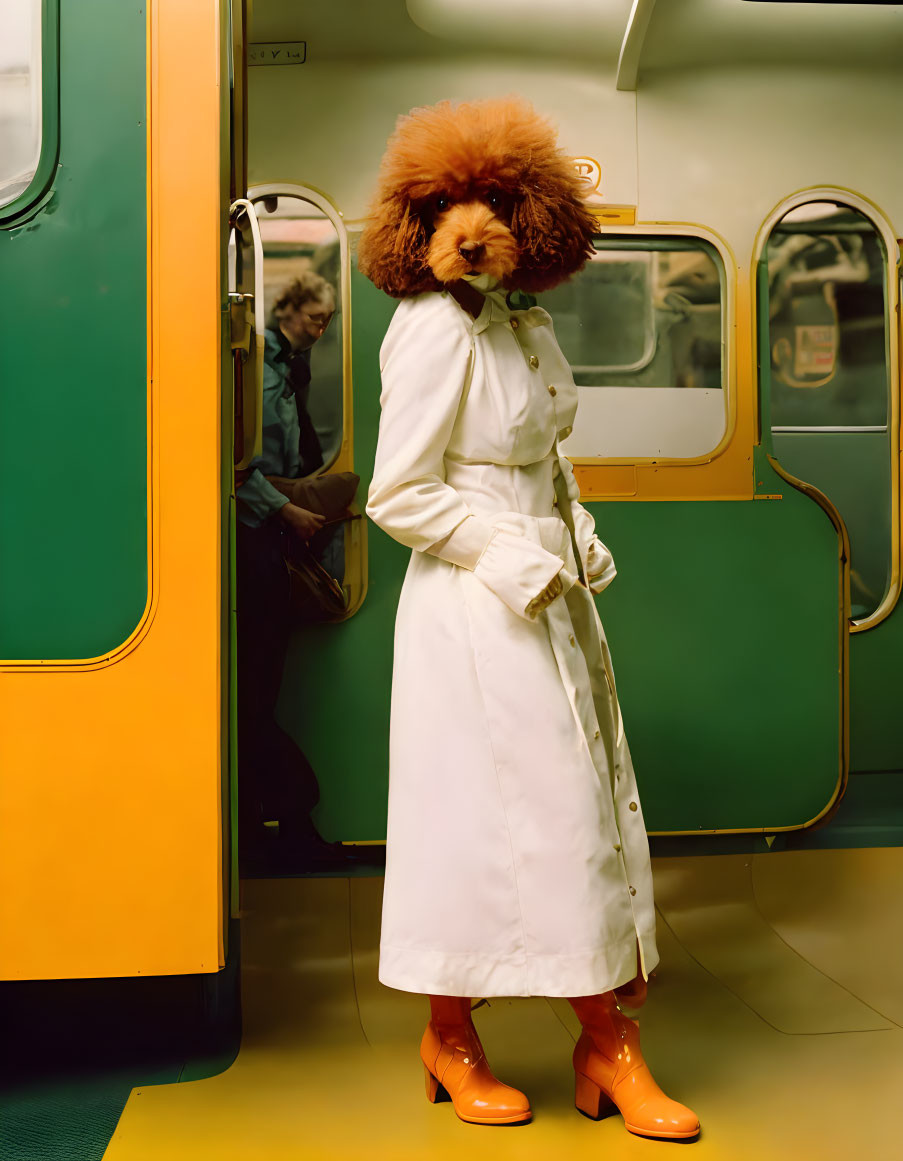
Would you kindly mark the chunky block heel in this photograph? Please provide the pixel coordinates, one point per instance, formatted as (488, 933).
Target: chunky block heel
(435, 1093)
(591, 1100)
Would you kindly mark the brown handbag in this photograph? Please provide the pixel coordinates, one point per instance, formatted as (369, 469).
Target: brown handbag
(316, 595)
(328, 494)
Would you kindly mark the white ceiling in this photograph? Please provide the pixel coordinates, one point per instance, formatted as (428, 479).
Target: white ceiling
(686, 34)
(682, 34)
(418, 28)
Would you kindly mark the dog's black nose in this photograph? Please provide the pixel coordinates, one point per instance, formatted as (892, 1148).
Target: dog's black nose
(470, 253)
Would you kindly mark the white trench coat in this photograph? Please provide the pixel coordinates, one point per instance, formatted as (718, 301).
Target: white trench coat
(517, 861)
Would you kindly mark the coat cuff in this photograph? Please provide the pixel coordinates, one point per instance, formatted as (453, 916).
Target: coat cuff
(600, 566)
(517, 570)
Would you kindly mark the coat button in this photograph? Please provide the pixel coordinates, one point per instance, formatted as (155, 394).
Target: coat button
(633, 806)
(552, 390)
(514, 324)
(618, 847)
(633, 890)
(565, 432)
(534, 362)
(597, 734)
(572, 639)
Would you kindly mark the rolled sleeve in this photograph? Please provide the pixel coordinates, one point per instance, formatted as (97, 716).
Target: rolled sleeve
(258, 500)
(517, 570)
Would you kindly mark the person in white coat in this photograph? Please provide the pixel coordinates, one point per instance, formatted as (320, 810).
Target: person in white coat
(517, 861)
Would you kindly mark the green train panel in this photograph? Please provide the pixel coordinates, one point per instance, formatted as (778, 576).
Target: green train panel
(73, 356)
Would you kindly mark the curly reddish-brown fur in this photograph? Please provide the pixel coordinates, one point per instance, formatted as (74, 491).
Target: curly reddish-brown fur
(540, 231)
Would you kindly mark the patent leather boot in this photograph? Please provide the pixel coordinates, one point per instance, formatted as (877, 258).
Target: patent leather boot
(610, 1069)
(456, 1068)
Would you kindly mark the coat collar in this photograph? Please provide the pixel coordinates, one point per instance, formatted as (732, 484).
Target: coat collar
(496, 310)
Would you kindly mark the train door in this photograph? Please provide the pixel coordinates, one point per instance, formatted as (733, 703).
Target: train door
(828, 318)
(111, 590)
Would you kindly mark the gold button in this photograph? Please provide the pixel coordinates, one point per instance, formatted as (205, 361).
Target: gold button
(618, 847)
(514, 324)
(534, 362)
(597, 734)
(571, 639)
(565, 432)
(633, 890)
(552, 390)
(633, 806)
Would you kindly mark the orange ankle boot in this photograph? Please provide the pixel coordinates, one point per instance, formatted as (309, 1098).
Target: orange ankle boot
(456, 1068)
(610, 1070)
(633, 995)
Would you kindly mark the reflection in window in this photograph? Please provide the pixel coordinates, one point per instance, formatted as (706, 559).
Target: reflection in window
(827, 323)
(20, 97)
(644, 313)
(301, 251)
(830, 381)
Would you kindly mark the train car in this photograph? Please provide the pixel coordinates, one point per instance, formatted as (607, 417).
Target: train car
(165, 170)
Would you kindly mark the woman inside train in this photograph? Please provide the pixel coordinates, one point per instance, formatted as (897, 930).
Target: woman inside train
(276, 782)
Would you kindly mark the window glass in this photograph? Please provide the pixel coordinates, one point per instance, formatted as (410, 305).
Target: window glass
(826, 274)
(605, 322)
(830, 378)
(20, 97)
(641, 326)
(302, 264)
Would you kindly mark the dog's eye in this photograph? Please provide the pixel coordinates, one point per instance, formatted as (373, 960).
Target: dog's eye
(494, 201)
(442, 203)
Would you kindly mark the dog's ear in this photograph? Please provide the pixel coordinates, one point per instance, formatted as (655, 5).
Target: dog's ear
(392, 251)
(554, 233)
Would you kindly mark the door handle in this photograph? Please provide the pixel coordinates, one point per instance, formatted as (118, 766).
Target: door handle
(247, 342)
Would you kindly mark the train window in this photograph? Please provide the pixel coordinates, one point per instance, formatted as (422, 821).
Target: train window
(305, 275)
(642, 327)
(20, 97)
(302, 266)
(830, 380)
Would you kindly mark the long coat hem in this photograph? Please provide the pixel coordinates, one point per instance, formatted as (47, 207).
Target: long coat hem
(441, 973)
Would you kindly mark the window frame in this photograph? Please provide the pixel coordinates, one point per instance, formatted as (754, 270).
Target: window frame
(344, 459)
(661, 242)
(13, 212)
(356, 545)
(892, 275)
(721, 474)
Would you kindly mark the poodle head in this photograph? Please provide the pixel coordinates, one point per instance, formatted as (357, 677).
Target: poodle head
(475, 188)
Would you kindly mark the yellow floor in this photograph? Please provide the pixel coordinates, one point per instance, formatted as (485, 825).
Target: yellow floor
(776, 1012)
